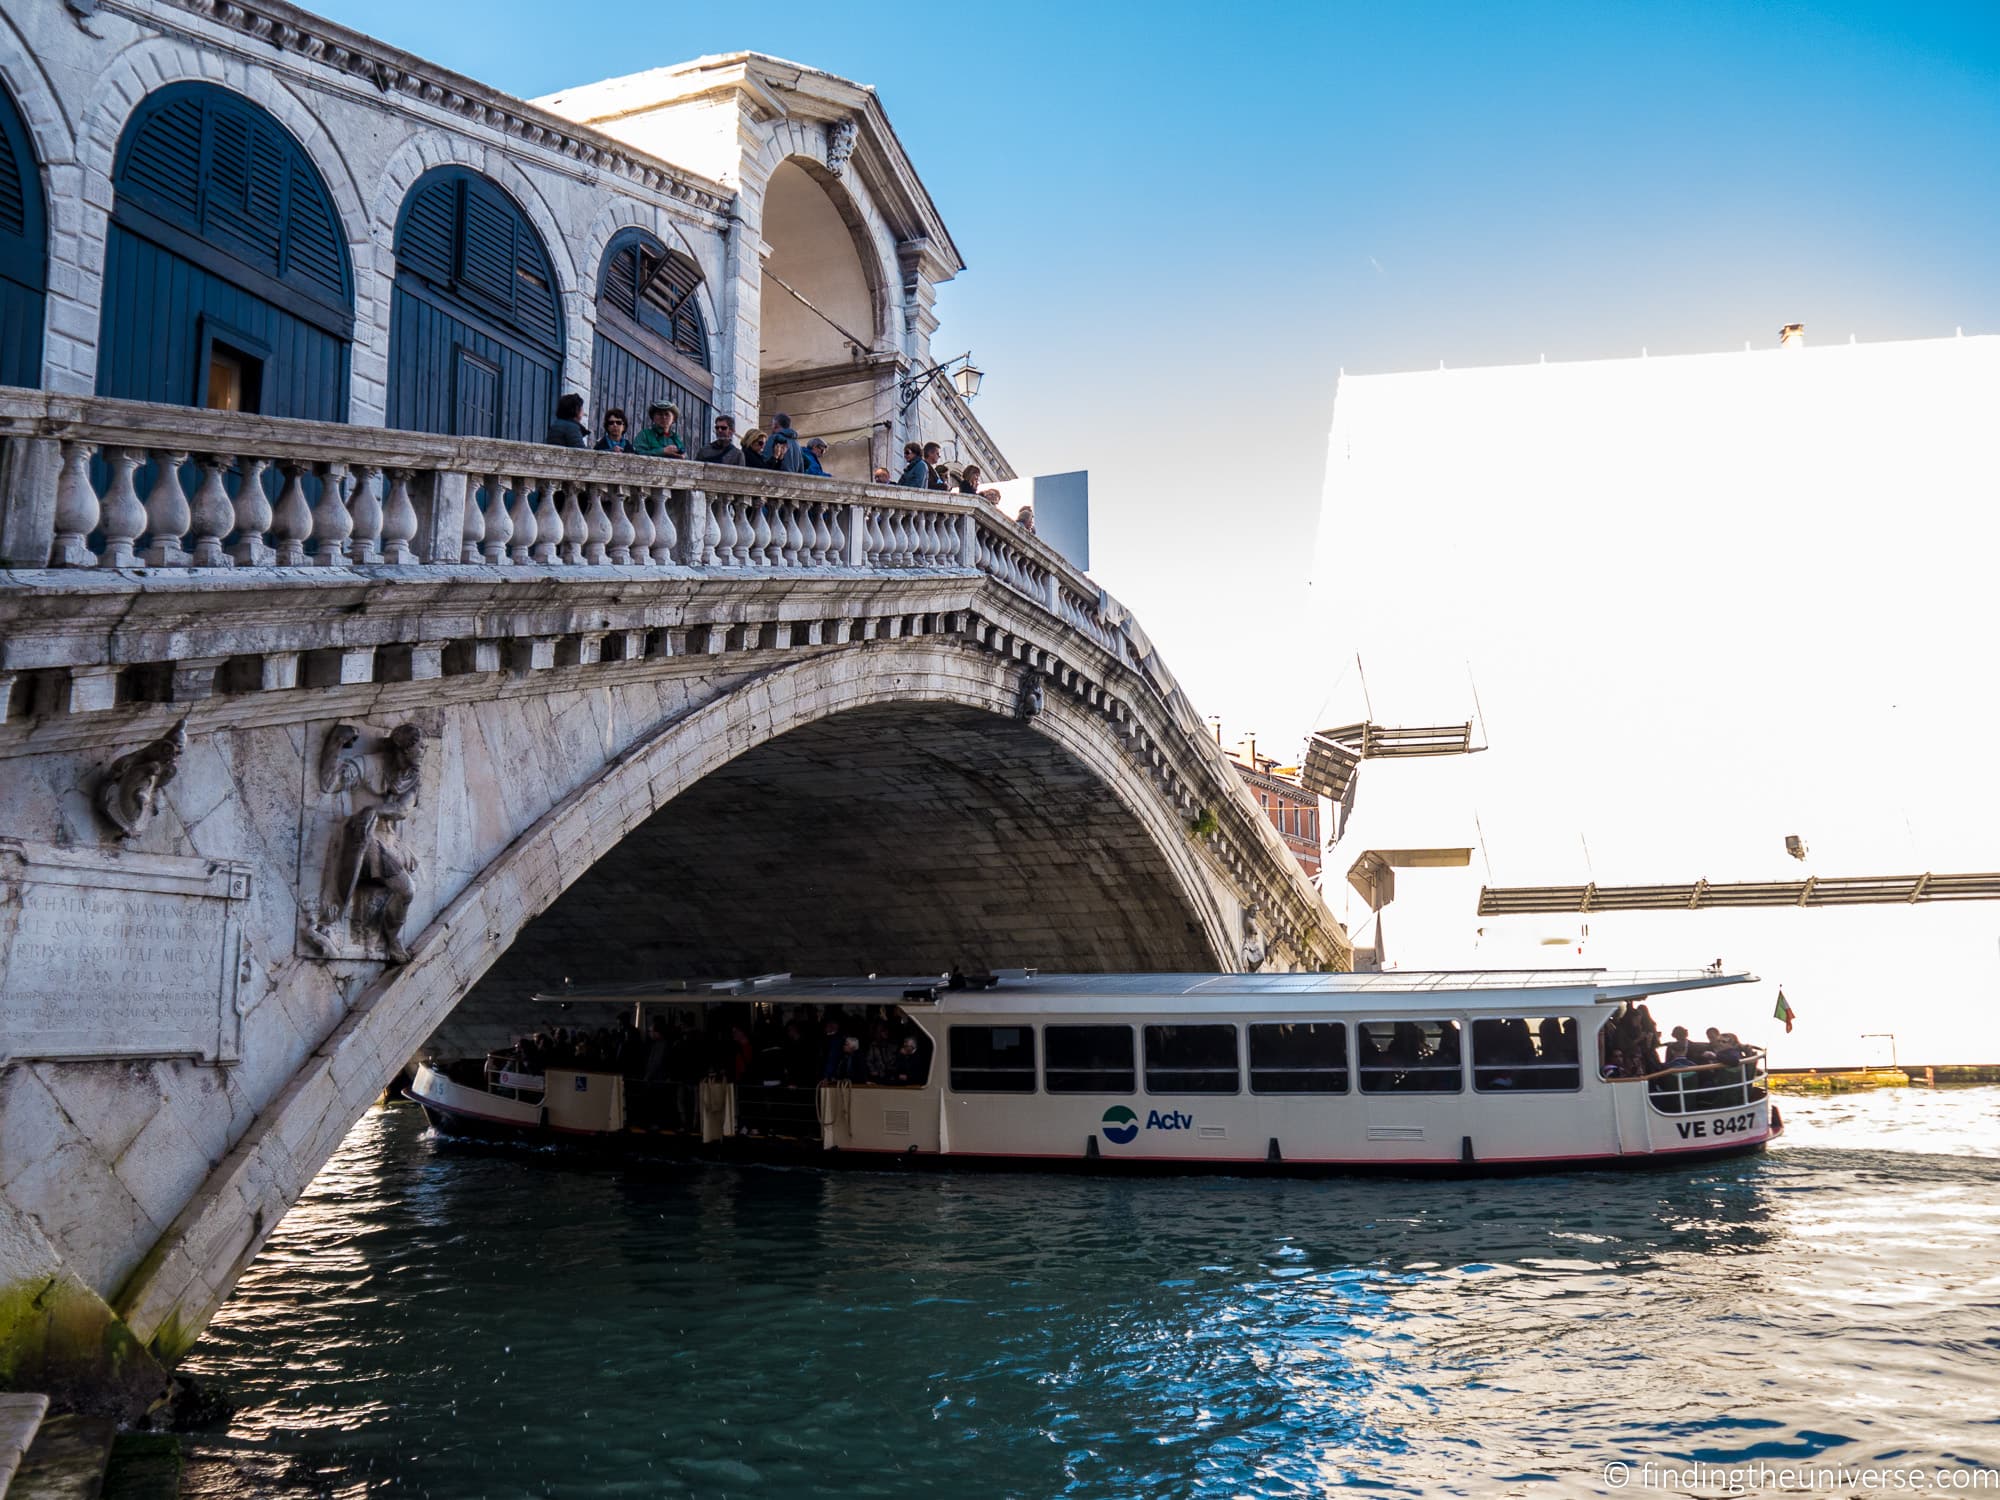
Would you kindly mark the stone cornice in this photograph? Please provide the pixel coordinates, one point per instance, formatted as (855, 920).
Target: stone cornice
(772, 88)
(354, 55)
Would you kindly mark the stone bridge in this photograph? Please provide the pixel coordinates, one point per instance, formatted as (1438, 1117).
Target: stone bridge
(319, 739)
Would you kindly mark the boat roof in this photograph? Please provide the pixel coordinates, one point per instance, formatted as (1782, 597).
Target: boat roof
(1024, 991)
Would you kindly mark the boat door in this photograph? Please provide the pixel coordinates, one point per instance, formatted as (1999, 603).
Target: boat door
(1411, 1075)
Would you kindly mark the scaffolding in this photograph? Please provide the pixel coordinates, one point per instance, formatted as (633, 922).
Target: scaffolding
(1701, 895)
(1334, 755)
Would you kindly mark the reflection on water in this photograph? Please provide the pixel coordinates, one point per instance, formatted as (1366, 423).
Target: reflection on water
(436, 1322)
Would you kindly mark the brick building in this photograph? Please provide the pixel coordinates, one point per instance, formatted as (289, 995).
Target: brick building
(1293, 811)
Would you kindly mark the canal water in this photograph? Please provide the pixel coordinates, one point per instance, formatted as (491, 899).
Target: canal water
(436, 1321)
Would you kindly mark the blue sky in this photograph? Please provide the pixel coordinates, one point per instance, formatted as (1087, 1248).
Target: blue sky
(1181, 221)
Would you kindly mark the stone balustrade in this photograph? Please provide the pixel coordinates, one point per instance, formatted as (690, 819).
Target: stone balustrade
(108, 490)
(93, 483)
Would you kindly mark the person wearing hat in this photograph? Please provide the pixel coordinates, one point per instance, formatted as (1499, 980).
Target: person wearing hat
(815, 454)
(660, 439)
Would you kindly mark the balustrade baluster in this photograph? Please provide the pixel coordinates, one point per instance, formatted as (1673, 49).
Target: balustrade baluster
(365, 511)
(622, 530)
(525, 526)
(167, 514)
(872, 542)
(573, 525)
(550, 528)
(642, 526)
(795, 536)
(761, 550)
(76, 509)
(332, 525)
(822, 539)
(499, 527)
(399, 521)
(212, 516)
(723, 509)
(905, 540)
(475, 523)
(253, 514)
(124, 516)
(665, 537)
(292, 522)
(596, 527)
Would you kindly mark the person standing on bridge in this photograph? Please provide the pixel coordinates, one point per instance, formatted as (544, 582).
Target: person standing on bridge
(916, 473)
(723, 449)
(567, 430)
(661, 439)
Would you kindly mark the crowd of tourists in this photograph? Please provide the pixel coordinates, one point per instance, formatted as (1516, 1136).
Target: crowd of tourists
(793, 1047)
(778, 446)
(1634, 1048)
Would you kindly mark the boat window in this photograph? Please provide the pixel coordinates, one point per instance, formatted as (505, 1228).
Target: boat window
(1524, 1054)
(992, 1059)
(1298, 1057)
(1408, 1057)
(1088, 1060)
(1191, 1060)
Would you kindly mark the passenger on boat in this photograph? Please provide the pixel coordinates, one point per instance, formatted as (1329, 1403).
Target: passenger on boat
(847, 1065)
(908, 1068)
(881, 1057)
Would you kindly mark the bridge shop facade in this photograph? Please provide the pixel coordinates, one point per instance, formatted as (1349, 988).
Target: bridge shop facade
(335, 718)
(247, 207)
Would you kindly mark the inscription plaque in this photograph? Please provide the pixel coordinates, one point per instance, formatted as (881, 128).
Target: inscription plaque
(111, 954)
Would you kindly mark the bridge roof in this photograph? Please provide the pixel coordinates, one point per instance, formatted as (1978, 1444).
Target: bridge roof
(1017, 991)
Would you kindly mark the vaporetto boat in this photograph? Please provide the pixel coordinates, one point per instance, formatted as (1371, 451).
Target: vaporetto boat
(1479, 1071)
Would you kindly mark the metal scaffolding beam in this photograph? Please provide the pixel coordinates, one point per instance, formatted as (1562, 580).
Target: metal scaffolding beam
(1817, 890)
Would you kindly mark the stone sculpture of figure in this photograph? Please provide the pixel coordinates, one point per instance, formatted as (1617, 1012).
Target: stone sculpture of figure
(1253, 943)
(376, 878)
(131, 792)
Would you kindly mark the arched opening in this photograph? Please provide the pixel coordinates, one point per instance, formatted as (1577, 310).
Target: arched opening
(651, 344)
(475, 321)
(24, 257)
(226, 282)
(891, 839)
(817, 362)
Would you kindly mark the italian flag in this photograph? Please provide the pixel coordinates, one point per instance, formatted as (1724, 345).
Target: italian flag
(1784, 1012)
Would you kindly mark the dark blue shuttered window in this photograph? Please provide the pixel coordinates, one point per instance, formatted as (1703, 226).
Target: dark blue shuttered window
(475, 335)
(226, 281)
(23, 252)
(651, 345)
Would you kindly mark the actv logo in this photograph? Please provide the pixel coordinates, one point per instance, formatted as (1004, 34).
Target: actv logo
(1121, 1126)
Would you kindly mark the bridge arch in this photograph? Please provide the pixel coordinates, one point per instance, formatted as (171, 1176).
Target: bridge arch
(819, 363)
(1145, 893)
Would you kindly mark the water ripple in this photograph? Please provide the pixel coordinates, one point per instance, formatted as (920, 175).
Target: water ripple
(442, 1323)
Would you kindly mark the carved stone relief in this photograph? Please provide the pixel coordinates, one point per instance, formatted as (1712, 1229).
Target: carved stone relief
(130, 793)
(840, 138)
(359, 841)
(1254, 949)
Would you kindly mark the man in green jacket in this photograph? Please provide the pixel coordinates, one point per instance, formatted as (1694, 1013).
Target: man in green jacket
(661, 439)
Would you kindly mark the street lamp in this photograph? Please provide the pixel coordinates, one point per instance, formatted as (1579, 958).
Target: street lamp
(966, 378)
